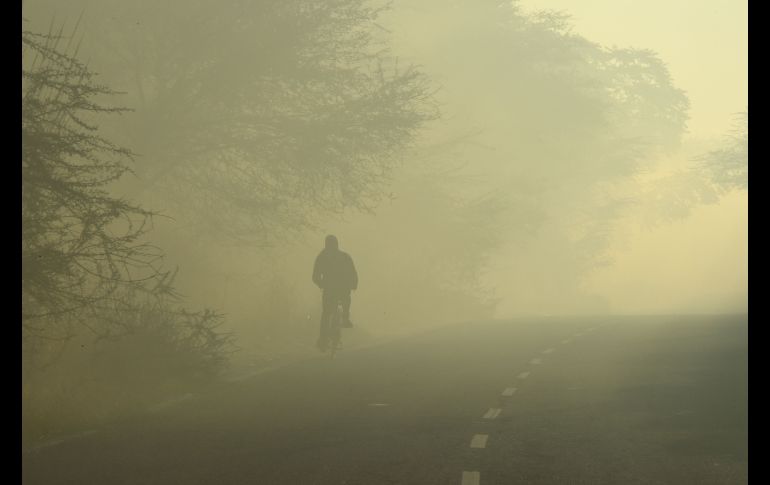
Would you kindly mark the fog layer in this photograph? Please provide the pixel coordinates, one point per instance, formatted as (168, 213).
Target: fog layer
(477, 159)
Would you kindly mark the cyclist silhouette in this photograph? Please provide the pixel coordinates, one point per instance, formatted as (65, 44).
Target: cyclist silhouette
(335, 273)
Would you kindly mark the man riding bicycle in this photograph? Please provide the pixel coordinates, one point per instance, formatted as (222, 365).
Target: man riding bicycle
(335, 273)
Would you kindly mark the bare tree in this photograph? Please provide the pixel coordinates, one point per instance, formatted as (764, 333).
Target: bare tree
(79, 244)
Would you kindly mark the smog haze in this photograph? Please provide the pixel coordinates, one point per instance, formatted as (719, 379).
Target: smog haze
(503, 180)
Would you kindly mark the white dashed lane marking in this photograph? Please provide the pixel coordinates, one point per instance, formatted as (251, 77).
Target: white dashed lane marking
(479, 441)
(492, 413)
(471, 478)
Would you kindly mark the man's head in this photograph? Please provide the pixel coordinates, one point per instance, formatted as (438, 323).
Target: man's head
(331, 243)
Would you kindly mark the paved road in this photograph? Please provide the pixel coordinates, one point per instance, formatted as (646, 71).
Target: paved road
(548, 401)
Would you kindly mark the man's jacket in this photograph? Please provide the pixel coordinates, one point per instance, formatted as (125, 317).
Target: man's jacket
(334, 270)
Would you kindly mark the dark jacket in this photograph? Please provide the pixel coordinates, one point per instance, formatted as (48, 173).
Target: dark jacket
(334, 270)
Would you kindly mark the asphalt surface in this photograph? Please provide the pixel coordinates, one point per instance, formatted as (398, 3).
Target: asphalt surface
(610, 400)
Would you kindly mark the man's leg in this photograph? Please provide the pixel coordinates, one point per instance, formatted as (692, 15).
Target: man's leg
(345, 298)
(327, 303)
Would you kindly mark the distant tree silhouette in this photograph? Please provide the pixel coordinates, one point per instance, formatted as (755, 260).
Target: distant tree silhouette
(728, 166)
(543, 133)
(710, 176)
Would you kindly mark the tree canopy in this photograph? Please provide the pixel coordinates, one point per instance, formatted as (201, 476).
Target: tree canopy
(252, 117)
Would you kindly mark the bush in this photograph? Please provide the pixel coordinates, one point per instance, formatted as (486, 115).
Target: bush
(138, 355)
